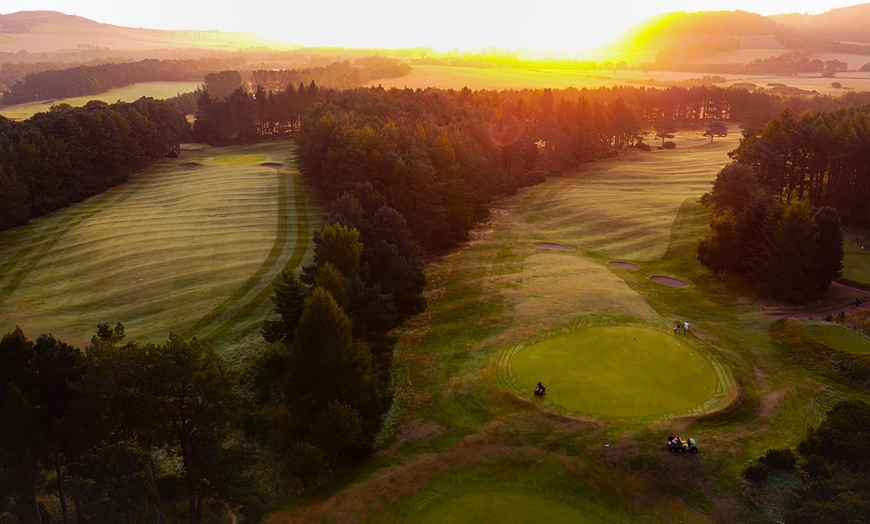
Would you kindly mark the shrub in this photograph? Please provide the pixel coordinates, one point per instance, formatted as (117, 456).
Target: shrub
(784, 459)
(815, 468)
(669, 145)
(755, 471)
(836, 85)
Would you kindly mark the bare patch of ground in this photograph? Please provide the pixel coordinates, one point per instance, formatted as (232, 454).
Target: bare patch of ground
(769, 403)
(419, 432)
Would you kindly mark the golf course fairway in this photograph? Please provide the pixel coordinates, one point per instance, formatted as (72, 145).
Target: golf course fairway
(505, 507)
(618, 372)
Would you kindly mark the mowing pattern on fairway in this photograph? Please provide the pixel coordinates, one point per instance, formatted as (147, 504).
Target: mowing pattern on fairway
(191, 250)
(611, 371)
(622, 208)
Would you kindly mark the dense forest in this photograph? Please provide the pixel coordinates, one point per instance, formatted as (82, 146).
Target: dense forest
(761, 224)
(816, 157)
(68, 154)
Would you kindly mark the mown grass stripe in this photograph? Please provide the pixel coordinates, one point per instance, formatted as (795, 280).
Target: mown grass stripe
(300, 247)
(253, 280)
(47, 240)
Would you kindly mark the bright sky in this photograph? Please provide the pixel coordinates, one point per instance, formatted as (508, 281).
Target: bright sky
(555, 25)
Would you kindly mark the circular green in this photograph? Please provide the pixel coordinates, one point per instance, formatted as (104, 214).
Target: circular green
(505, 507)
(618, 372)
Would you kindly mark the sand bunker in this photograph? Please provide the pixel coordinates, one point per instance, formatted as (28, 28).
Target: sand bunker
(273, 165)
(668, 281)
(554, 247)
(624, 265)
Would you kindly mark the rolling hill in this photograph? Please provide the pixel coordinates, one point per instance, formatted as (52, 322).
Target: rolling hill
(738, 37)
(52, 32)
(712, 37)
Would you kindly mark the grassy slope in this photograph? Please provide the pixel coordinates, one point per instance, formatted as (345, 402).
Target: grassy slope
(189, 246)
(461, 432)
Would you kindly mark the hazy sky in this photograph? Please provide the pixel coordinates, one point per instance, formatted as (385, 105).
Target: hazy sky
(441, 24)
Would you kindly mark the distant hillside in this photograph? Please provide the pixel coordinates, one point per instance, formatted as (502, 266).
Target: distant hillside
(732, 38)
(53, 32)
(846, 24)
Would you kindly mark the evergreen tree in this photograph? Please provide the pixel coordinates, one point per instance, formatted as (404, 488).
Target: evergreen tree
(720, 250)
(792, 258)
(326, 363)
(830, 252)
(289, 299)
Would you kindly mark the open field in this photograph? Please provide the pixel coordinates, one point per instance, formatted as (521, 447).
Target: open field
(455, 77)
(190, 246)
(471, 434)
(158, 90)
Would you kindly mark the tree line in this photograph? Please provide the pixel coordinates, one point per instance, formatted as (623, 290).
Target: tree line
(244, 117)
(345, 74)
(785, 64)
(819, 157)
(324, 387)
(69, 153)
(788, 251)
(86, 80)
(777, 210)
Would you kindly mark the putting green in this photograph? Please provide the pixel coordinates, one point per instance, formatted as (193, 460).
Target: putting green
(618, 372)
(505, 507)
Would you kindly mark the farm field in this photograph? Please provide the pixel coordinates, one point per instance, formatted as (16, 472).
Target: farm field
(565, 270)
(455, 77)
(189, 246)
(158, 90)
